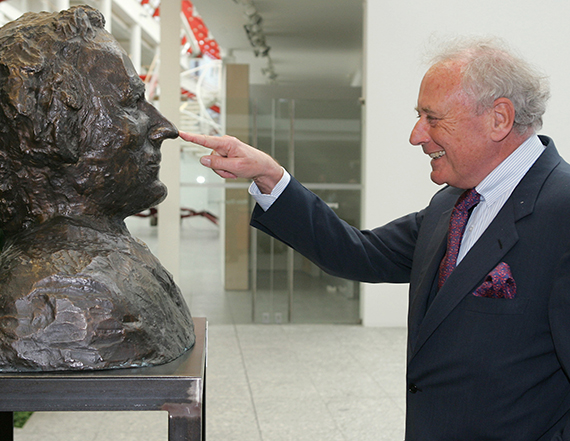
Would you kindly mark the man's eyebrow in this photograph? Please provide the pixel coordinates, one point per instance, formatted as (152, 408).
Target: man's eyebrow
(424, 110)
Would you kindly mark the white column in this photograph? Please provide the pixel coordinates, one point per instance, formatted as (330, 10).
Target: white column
(106, 11)
(135, 48)
(169, 83)
(62, 4)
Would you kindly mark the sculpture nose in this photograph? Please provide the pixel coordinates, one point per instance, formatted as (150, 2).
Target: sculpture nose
(161, 128)
(164, 131)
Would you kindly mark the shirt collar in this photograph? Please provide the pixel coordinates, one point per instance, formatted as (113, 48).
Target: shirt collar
(506, 176)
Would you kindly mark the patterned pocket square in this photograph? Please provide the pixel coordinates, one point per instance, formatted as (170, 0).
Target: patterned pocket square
(499, 284)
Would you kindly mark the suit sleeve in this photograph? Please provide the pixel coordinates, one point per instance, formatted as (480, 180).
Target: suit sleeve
(303, 221)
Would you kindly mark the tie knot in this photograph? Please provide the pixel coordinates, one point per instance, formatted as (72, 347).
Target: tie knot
(467, 200)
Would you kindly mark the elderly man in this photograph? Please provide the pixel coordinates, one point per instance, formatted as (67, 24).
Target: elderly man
(80, 151)
(489, 315)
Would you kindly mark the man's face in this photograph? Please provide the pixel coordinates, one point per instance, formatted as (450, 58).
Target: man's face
(450, 131)
(120, 160)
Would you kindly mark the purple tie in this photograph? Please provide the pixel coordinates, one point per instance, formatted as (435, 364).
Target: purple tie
(457, 223)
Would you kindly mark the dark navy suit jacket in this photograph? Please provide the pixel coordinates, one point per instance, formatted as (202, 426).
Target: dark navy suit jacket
(479, 368)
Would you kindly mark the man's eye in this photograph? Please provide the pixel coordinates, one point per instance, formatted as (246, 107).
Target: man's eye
(432, 120)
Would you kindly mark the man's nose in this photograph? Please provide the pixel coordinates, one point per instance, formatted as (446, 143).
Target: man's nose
(419, 133)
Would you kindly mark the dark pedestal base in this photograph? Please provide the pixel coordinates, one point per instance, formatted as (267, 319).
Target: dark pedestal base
(178, 387)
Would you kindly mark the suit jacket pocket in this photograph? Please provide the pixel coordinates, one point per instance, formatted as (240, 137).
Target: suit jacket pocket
(497, 294)
(498, 284)
(489, 305)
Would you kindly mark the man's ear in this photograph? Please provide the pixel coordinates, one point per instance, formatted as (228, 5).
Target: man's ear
(502, 118)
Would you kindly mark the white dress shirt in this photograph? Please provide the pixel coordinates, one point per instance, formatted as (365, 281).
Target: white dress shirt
(496, 188)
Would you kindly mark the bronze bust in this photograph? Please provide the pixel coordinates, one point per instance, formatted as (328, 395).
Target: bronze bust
(79, 152)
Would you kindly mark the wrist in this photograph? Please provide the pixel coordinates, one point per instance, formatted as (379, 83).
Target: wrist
(267, 182)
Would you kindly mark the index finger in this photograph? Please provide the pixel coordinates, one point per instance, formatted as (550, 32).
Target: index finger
(216, 143)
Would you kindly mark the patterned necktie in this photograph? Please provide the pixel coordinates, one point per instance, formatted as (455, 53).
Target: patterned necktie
(457, 223)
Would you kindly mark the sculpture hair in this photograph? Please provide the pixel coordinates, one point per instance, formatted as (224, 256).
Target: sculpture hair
(491, 70)
(42, 110)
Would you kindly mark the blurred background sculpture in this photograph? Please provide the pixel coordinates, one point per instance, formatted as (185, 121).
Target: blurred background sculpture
(79, 152)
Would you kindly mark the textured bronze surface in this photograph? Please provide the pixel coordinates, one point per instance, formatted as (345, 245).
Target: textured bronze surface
(79, 152)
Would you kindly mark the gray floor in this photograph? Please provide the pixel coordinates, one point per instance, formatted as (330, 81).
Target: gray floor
(265, 382)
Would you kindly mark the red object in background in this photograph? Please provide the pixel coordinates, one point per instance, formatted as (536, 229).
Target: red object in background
(187, 8)
(187, 93)
(208, 46)
(152, 213)
(198, 28)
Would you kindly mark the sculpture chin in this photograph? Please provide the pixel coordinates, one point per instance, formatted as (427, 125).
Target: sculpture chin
(150, 197)
(161, 192)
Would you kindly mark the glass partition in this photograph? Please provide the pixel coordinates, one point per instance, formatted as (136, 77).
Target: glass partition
(319, 142)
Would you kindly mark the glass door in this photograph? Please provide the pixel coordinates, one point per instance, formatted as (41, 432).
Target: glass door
(318, 141)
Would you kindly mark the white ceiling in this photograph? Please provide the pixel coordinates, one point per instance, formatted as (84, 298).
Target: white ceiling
(313, 42)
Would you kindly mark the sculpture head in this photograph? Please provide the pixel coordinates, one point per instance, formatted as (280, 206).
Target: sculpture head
(77, 137)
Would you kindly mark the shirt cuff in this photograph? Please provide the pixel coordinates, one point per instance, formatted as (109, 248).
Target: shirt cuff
(266, 200)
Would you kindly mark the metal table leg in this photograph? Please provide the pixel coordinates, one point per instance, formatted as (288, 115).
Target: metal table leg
(7, 426)
(185, 422)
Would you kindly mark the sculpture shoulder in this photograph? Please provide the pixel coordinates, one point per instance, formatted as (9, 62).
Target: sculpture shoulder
(103, 306)
(111, 267)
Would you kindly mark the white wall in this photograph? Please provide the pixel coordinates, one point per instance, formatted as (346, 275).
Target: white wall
(396, 174)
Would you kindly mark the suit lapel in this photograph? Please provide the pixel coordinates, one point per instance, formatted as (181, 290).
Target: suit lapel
(436, 250)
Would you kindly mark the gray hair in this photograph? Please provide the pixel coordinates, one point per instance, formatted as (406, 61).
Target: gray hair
(491, 71)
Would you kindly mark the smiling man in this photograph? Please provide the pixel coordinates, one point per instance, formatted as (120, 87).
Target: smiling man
(465, 138)
(489, 314)
(79, 152)
(450, 130)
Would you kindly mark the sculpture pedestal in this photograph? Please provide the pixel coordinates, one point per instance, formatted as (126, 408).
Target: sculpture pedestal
(178, 387)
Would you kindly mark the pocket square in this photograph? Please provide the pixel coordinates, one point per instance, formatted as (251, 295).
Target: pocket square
(499, 284)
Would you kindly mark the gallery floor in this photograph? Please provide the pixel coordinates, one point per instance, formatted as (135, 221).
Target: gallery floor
(265, 382)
